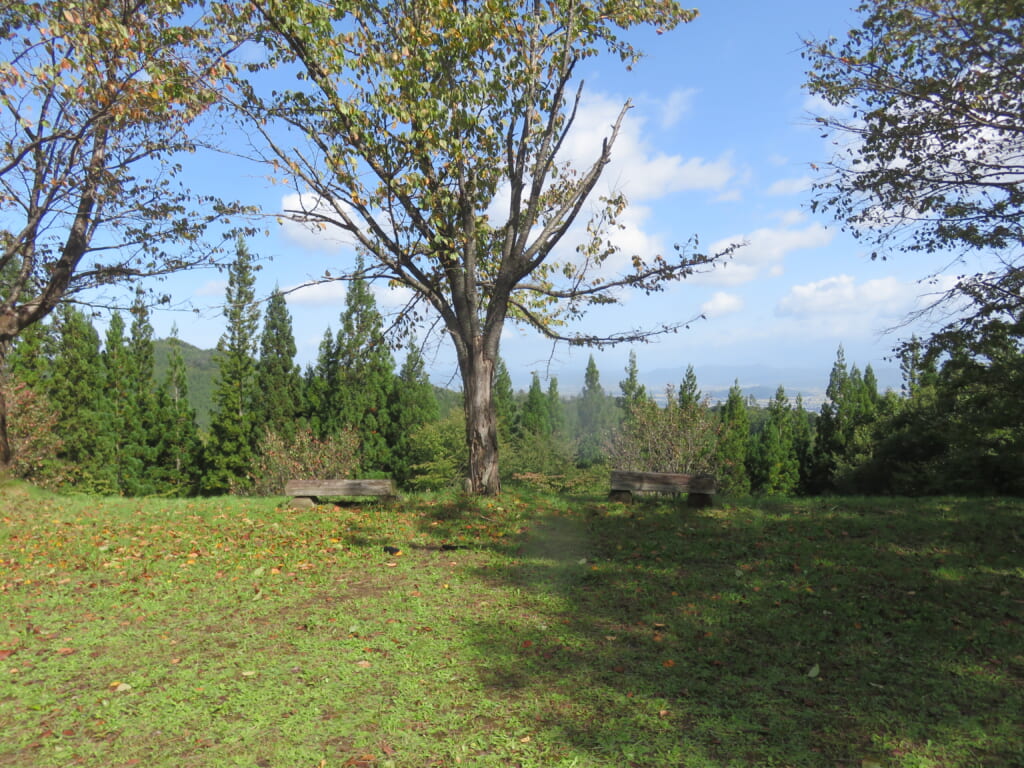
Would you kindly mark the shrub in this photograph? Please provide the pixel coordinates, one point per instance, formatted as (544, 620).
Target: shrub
(671, 439)
(302, 455)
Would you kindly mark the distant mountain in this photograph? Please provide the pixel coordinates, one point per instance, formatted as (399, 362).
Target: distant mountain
(201, 372)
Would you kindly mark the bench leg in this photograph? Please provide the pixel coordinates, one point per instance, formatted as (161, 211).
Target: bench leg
(699, 500)
(626, 497)
(303, 502)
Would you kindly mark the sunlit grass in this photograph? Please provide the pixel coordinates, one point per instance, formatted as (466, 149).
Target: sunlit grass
(533, 630)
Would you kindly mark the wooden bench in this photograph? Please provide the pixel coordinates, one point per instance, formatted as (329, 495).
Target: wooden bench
(306, 493)
(700, 488)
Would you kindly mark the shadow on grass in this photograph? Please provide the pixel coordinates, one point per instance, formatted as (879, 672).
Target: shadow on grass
(820, 632)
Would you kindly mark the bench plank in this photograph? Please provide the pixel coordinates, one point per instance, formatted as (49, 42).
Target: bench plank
(662, 482)
(314, 488)
(699, 488)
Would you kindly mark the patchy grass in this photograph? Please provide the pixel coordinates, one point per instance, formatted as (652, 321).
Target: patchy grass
(530, 630)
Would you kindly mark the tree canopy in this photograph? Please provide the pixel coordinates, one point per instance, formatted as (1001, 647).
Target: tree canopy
(431, 134)
(97, 98)
(928, 126)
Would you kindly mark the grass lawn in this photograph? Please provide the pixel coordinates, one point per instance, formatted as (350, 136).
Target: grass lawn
(531, 630)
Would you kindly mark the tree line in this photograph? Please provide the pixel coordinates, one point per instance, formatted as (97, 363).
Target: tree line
(89, 413)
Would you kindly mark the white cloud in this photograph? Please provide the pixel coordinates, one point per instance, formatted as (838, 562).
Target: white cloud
(790, 186)
(311, 237)
(764, 253)
(212, 288)
(676, 105)
(318, 294)
(840, 305)
(720, 304)
(842, 294)
(635, 168)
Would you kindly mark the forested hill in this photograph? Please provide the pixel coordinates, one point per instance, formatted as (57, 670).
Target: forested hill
(202, 374)
(202, 379)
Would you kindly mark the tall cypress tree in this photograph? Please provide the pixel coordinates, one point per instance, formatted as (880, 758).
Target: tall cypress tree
(366, 374)
(734, 444)
(144, 430)
(231, 447)
(689, 394)
(413, 405)
(179, 451)
(535, 416)
(633, 392)
(319, 386)
(505, 409)
(556, 409)
(775, 469)
(277, 377)
(76, 391)
(595, 421)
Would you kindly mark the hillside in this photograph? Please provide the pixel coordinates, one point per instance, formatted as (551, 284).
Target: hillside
(201, 372)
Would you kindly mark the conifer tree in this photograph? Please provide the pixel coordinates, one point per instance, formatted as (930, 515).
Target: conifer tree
(595, 420)
(231, 448)
(556, 409)
(734, 443)
(689, 394)
(535, 417)
(412, 406)
(366, 374)
(319, 387)
(76, 391)
(117, 399)
(633, 392)
(505, 409)
(179, 453)
(144, 430)
(277, 377)
(803, 443)
(774, 468)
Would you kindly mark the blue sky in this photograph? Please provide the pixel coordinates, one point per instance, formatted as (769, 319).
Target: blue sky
(720, 144)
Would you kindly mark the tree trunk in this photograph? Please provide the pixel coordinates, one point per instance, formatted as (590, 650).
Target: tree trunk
(481, 423)
(6, 454)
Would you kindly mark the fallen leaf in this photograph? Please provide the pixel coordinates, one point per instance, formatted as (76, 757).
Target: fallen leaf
(364, 664)
(66, 651)
(814, 671)
(6, 652)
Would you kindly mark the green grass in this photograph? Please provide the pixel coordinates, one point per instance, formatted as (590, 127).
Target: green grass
(563, 631)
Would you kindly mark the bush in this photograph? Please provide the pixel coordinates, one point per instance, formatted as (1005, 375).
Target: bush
(671, 439)
(34, 443)
(302, 455)
(437, 453)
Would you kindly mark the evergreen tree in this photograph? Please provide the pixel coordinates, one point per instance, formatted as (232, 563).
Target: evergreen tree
(29, 360)
(594, 418)
(413, 405)
(277, 377)
(76, 391)
(117, 400)
(845, 436)
(633, 392)
(556, 410)
(179, 453)
(535, 417)
(505, 409)
(231, 448)
(734, 444)
(774, 467)
(319, 387)
(143, 431)
(689, 394)
(803, 442)
(366, 374)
